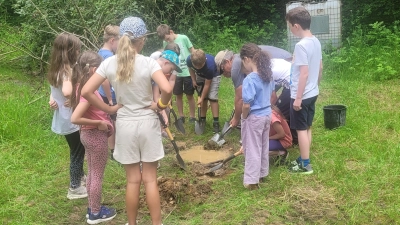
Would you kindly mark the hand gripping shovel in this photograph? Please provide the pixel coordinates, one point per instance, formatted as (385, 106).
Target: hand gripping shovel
(178, 123)
(178, 157)
(199, 125)
(219, 166)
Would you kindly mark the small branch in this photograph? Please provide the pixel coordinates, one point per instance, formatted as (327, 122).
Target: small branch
(24, 50)
(170, 213)
(44, 17)
(85, 38)
(6, 53)
(35, 100)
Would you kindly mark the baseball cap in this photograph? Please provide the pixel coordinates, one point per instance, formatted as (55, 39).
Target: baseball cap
(134, 25)
(220, 57)
(172, 57)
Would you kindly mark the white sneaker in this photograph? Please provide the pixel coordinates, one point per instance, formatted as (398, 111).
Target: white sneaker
(77, 193)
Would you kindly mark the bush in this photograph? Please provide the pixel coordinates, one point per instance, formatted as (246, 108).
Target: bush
(371, 55)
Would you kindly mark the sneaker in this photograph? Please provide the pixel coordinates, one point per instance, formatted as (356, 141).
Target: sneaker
(79, 192)
(251, 186)
(294, 163)
(301, 169)
(216, 127)
(83, 180)
(192, 120)
(105, 214)
(182, 119)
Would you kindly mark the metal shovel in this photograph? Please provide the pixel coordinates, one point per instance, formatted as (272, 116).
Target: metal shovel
(178, 157)
(219, 139)
(219, 166)
(178, 123)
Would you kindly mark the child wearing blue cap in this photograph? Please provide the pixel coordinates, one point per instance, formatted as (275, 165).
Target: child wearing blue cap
(138, 135)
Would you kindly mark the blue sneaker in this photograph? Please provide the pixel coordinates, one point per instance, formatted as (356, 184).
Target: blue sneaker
(105, 214)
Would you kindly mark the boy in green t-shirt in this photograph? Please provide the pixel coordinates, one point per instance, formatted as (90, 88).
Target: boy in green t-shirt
(183, 83)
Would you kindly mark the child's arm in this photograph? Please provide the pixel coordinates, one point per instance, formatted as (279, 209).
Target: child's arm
(320, 71)
(206, 88)
(67, 87)
(88, 92)
(245, 110)
(156, 93)
(107, 91)
(301, 87)
(191, 49)
(172, 80)
(193, 76)
(280, 133)
(78, 119)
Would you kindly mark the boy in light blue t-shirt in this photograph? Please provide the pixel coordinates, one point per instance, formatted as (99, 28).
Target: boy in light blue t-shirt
(305, 78)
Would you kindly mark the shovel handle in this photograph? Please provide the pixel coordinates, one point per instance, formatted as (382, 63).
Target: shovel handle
(163, 124)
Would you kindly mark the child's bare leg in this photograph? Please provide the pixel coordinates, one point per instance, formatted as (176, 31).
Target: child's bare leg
(192, 105)
(149, 177)
(304, 143)
(204, 108)
(133, 177)
(179, 105)
(214, 108)
(309, 135)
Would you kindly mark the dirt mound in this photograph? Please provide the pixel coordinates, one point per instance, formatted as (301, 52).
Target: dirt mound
(175, 190)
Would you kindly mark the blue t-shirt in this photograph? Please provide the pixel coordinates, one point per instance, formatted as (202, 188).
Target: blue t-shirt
(105, 54)
(208, 71)
(257, 93)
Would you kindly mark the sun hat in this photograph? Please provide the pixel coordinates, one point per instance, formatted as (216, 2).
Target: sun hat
(172, 57)
(134, 25)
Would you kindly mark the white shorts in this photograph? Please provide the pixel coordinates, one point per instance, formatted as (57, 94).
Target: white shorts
(138, 141)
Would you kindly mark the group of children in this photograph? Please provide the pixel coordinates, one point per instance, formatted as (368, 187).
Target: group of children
(113, 98)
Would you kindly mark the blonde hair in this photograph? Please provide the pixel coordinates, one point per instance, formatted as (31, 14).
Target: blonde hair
(110, 31)
(198, 57)
(126, 57)
(163, 30)
(64, 53)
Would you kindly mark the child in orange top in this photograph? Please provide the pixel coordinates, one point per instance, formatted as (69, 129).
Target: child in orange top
(280, 137)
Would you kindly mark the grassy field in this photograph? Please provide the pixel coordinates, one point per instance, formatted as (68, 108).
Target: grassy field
(355, 180)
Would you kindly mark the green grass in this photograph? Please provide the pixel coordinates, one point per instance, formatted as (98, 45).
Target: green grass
(355, 178)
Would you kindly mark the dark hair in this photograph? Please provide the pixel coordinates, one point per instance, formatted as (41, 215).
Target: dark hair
(81, 74)
(260, 58)
(299, 15)
(173, 47)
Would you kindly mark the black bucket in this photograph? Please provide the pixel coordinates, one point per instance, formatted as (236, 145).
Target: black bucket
(334, 116)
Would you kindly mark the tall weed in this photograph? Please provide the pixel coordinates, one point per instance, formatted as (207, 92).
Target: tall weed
(368, 55)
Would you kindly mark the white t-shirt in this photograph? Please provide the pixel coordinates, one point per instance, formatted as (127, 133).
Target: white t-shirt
(135, 95)
(61, 123)
(307, 52)
(281, 72)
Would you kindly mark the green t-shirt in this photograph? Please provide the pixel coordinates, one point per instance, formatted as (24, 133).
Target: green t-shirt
(184, 44)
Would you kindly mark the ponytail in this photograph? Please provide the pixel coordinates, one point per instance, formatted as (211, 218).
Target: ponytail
(125, 59)
(81, 74)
